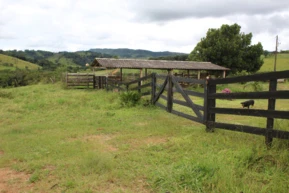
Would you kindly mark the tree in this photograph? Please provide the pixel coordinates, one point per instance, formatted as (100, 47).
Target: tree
(230, 48)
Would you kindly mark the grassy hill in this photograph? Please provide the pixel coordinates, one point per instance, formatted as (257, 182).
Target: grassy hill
(11, 63)
(282, 63)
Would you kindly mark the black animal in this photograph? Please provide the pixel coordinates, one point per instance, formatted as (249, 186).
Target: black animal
(248, 103)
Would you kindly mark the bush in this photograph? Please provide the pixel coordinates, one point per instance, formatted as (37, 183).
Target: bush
(130, 98)
(256, 86)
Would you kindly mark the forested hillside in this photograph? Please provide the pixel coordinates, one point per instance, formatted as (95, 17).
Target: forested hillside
(130, 53)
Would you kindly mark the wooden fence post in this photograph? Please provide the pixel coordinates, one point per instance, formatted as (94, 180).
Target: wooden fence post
(170, 92)
(93, 81)
(153, 85)
(209, 118)
(139, 83)
(270, 121)
(66, 79)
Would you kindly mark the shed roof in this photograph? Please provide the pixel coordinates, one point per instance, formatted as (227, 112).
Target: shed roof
(155, 64)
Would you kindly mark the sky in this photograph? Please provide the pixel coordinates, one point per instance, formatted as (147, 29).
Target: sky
(157, 25)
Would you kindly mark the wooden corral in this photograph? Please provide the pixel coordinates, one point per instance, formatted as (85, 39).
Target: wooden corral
(85, 80)
(206, 113)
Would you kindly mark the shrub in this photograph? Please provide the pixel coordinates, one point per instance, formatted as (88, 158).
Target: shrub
(130, 98)
(256, 86)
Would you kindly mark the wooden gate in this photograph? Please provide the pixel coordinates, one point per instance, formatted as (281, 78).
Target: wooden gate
(172, 85)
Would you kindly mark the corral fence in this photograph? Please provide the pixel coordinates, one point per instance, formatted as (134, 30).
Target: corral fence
(198, 101)
(85, 80)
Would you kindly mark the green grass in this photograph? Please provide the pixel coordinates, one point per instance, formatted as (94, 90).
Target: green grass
(282, 63)
(11, 63)
(84, 141)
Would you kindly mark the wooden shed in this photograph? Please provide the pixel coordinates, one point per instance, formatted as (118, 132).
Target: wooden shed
(157, 64)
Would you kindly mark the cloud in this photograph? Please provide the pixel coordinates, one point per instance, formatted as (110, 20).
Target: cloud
(167, 10)
(159, 25)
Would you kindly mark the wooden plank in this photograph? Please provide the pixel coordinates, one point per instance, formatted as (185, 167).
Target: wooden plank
(241, 128)
(78, 84)
(170, 92)
(138, 80)
(252, 95)
(194, 93)
(184, 103)
(146, 93)
(188, 100)
(280, 134)
(270, 120)
(196, 119)
(154, 80)
(190, 80)
(161, 105)
(81, 81)
(210, 103)
(160, 91)
(251, 112)
(79, 74)
(142, 86)
(256, 77)
(173, 89)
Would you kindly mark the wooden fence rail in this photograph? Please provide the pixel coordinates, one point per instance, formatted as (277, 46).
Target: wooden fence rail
(270, 114)
(157, 85)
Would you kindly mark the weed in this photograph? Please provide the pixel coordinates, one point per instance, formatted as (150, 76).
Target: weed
(5, 94)
(256, 86)
(130, 98)
(34, 177)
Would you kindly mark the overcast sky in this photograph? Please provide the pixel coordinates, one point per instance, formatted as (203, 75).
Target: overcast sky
(158, 25)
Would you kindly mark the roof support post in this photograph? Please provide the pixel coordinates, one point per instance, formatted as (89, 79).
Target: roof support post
(140, 75)
(199, 74)
(146, 71)
(170, 91)
(224, 74)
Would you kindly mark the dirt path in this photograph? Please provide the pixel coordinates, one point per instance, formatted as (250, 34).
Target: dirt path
(14, 182)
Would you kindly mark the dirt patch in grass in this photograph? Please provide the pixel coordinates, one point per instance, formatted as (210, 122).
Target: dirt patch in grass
(1, 152)
(153, 140)
(140, 186)
(12, 181)
(102, 140)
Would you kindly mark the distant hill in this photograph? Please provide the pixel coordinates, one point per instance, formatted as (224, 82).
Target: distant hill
(74, 61)
(51, 61)
(182, 57)
(12, 63)
(130, 53)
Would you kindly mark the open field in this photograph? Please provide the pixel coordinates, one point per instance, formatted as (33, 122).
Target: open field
(282, 63)
(61, 140)
(11, 63)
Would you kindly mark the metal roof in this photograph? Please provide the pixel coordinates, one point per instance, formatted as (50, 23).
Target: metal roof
(155, 64)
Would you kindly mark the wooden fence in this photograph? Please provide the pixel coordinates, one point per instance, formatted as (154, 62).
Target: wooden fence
(164, 87)
(85, 80)
(270, 114)
(206, 113)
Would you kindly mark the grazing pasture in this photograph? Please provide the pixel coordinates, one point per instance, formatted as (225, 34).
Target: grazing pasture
(11, 63)
(61, 140)
(282, 63)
